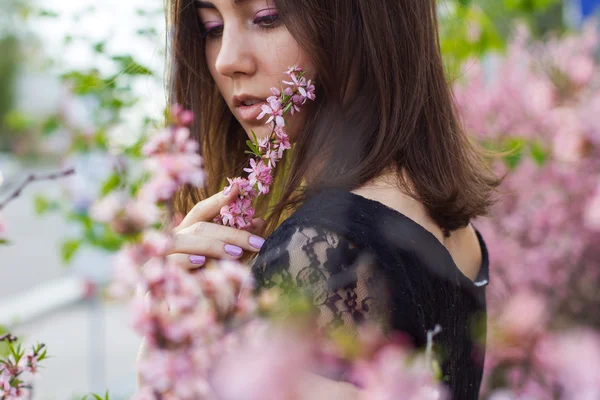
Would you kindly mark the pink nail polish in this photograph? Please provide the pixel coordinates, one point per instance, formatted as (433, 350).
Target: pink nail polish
(256, 242)
(233, 250)
(197, 260)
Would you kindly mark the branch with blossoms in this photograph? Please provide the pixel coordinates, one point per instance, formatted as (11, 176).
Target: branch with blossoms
(267, 151)
(17, 192)
(18, 369)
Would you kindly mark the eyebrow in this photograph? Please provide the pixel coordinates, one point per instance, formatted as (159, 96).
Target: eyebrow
(206, 4)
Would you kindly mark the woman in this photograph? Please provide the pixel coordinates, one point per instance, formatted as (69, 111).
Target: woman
(377, 195)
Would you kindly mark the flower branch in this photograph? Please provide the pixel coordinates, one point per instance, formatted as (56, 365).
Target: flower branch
(36, 178)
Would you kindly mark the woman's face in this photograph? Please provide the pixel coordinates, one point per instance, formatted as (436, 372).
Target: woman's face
(247, 50)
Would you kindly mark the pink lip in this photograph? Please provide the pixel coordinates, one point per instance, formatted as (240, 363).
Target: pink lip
(249, 113)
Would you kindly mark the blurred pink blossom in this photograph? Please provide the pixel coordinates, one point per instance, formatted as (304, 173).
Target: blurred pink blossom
(395, 374)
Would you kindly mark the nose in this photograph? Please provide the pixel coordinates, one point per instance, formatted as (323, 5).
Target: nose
(235, 55)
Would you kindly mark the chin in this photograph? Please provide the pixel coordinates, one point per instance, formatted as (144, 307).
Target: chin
(260, 131)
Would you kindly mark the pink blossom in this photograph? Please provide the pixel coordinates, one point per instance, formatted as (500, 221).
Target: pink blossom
(245, 188)
(257, 363)
(160, 188)
(31, 362)
(144, 393)
(273, 157)
(124, 214)
(592, 211)
(170, 140)
(307, 91)
(156, 244)
(293, 70)
(281, 141)
(392, 374)
(288, 91)
(107, 208)
(275, 111)
(238, 214)
(573, 358)
(181, 116)
(260, 174)
(126, 266)
(264, 144)
(181, 168)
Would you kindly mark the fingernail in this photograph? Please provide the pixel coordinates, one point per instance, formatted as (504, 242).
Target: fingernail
(233, 250)
(227, 190)
(256, 242)
(197, 260)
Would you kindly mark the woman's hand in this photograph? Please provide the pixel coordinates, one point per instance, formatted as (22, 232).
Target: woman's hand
(197, 240)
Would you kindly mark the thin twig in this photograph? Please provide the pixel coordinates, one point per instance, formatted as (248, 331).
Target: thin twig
(36, 178)
(8, 337)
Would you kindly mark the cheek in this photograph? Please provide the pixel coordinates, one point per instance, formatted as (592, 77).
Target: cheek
(280, 51)
(211, 53)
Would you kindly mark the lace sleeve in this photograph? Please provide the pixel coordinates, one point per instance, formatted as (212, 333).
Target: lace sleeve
(341, 280)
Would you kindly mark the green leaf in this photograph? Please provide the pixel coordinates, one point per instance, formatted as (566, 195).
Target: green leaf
(149, 32)
(131, 67)
(538, 153)
(287, 108)
(4, 242)
(41, 205)
(252, 147)
(50, 125)
(68, 249)
(48, 13)
(113, 182)
(43, 356)
(18, 121)
(85, 83)
(99, 47)
(515, 145)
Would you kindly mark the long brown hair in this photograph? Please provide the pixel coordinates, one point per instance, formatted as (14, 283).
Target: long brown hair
(382, 101)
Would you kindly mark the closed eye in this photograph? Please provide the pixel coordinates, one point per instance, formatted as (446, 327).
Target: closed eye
(268, 21)
(212, 32)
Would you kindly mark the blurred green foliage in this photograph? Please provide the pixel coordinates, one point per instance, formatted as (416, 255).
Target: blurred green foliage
(9, 48)
(4, 350)
(472, 28)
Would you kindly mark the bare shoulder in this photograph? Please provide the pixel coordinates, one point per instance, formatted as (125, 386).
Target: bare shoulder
(463, 244)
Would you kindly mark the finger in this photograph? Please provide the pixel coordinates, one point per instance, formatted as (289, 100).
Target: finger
(197, 238)
(208, 209)
(207, 246)
(187, 261)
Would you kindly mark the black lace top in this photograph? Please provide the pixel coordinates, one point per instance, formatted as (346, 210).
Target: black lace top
(361, 260)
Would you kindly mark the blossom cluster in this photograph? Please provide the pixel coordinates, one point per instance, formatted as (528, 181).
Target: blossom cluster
(267, 151)
(543, 236)
(17, 370)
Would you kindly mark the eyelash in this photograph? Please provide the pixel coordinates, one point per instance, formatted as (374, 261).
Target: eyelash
(272, 21)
